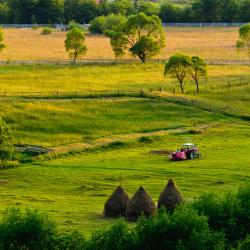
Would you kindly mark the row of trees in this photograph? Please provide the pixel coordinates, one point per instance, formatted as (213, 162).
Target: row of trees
(211, 222)
(83, 11)
(141, 35)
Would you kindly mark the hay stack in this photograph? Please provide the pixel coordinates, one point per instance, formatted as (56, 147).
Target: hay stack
(170, 197)
(117, 203)
(140, 203)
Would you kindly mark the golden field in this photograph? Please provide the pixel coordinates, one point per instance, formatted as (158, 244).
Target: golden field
(209, 43)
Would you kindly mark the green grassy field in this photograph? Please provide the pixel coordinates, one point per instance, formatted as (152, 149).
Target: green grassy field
(115, 135)
(73, 189)
(50, 78)
(59, 122)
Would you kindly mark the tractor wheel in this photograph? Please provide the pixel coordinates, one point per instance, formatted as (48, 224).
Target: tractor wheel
(191, 155)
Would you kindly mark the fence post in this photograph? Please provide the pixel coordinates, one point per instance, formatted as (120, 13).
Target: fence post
(160, 89)
(57, 93)
(76, 93)
(228, 83)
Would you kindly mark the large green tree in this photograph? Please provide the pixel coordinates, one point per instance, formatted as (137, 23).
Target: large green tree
(207, 10)
(178, 67)
(74, 43)
(49, 11)
(140, 34)
(197, 70)
(244, 39)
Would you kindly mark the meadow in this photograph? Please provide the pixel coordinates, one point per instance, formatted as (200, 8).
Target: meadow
(98, 138)
(74, 188)
(212, 43)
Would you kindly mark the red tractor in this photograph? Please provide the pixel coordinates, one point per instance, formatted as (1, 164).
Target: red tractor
(188, 151)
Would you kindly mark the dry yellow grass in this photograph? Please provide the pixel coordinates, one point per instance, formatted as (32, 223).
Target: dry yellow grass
(209, 43)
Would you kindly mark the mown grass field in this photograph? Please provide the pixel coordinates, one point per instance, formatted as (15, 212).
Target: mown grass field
(73, 189)
(209, 43)
(100, 138)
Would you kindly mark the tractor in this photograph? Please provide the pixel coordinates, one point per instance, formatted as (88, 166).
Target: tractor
(188, 151)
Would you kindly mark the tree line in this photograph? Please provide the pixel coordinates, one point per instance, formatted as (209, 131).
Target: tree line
(83, 11)
(210, 222)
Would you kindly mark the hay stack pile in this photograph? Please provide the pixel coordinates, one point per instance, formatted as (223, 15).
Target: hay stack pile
(117, 203)
(140, 204)
(170, 197)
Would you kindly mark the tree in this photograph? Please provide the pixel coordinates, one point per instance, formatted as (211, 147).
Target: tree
(74, 43)
(230, 10)
(149, 8)
(197, 70)
(178, 67)
(207, 10)
(26, 230)
(170, 12)
(123, 7)
(140, 34)
(244, 42)
(5, 146)
(2, 46)
(244, 11)
(49, 11)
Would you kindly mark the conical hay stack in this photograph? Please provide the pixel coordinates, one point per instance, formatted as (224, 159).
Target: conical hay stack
(170, 197)
(141, 203)
(117, 203)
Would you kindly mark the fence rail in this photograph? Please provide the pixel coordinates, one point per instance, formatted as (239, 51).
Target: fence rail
(65, 26)
(114, 61)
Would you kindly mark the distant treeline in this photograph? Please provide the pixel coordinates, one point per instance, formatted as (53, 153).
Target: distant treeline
(83, 11)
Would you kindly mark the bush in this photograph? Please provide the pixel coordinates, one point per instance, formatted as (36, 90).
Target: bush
(118, 237)
(184, 229)
(229, 214)
(96, 26)
(26, 230)
(245, 245)
(71, 241)
(103, 24)
(73, 24)
(6, 148)
(46, 31)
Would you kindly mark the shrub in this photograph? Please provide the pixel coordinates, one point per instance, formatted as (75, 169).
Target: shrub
(96, 25)
(229, 214)
(46, 31)
(118, 237)
(72, 25)
(184, 229)
(26, 230)
(71, 241)
(103, 24)
(6, 149)
(245, 245)
(35, 27)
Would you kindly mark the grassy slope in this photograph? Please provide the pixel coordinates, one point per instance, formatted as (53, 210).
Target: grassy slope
(53, 123)
(73, 189)
(50, 79)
